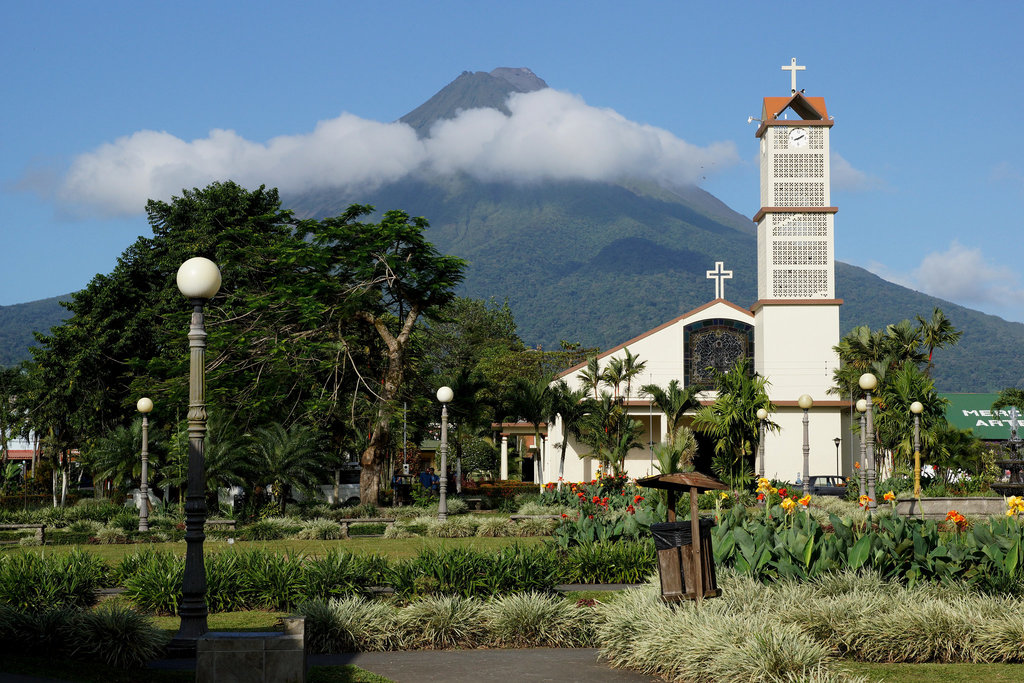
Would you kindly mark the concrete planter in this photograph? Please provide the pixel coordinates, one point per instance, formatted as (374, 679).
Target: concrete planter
(938, 508)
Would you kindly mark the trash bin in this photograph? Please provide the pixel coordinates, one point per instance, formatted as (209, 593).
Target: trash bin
(674, 543)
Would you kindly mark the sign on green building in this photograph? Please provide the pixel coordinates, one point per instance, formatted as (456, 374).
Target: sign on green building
(974, 412)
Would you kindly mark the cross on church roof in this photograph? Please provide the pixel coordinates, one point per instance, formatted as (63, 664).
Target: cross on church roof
(792, 69)
(719, 275)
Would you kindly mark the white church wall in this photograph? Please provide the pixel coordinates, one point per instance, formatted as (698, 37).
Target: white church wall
(784, 457)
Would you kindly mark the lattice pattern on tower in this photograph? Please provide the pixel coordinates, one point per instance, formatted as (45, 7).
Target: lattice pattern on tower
(799, 194)
(816, 138)
(799, 165)
(799, 225)
(800, 253)
(789, 283)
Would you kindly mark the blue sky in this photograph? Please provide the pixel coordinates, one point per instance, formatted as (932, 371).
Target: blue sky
(110, 102)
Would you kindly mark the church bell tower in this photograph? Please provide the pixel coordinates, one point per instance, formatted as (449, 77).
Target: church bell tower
(797, 314)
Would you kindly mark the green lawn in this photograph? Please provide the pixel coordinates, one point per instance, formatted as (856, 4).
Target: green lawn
(397, 548)
(931, 673)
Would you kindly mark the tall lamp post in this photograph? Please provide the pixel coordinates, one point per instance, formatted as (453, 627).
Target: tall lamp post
(862, 406)
(762, 415)
(917, 408)
(444, 395)
(868, 382)
(144, 406)
(837, 441)
(198, 280)
(805, 402)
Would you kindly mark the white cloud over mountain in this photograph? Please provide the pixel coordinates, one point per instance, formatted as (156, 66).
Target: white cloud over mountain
(549, 135)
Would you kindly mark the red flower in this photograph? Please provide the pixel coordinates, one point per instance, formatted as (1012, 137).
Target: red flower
(760, 496)
(630, 509)
(581, 496)
(782, 492)
(590, 516)
(595, 499)
(637, 499)
(564, 515)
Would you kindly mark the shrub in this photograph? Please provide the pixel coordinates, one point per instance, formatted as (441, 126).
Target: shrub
(116, 636)
(110, 534)
(152, 580)
(340, 573)
(535, 527)
(270, 581)
(457, 506)
(443, 622)
(453, 527)
(263, 530)
(598, 562)
(126, 520)
(536, 620)
(496, 527)
(350, 624)
(320, 529)
(361, 511)
(33, 583)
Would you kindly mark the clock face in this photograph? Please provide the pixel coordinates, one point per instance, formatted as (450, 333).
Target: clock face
(798, 137)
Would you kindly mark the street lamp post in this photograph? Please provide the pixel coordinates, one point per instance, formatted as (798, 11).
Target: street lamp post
(805, 402)
(144, 406)
(868, 382)
(444, 395)
(917, 408)
(198, 280)
(837, 441)
(862, 406)
(762, 415)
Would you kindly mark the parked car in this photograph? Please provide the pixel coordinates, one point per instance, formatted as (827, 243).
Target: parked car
(828, 485)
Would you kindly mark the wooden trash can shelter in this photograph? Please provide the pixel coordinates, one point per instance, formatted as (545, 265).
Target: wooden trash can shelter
(686, 561)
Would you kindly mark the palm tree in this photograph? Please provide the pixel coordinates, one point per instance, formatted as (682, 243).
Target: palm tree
(732, 421)
(894, 423)
(116, 456)
(674, 402)
(614, 375)
(626, 438)
(1010, 398)
(572, 406)
(676, 455)
(590, 376)
(283, 459)
(530, 402)
(631, 367)
(599, 427)
(937, 333)
(225, 459)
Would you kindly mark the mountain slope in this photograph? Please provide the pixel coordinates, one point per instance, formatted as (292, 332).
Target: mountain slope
(18, 322)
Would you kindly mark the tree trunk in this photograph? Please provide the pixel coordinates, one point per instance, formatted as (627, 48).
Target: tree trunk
(337, 485)
(394, 374)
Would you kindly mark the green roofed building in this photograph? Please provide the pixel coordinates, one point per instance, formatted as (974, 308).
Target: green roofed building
(974, 412)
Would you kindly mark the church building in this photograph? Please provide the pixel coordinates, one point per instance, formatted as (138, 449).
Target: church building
(788, 333)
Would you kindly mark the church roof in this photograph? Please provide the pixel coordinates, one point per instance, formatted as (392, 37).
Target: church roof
(807, 108)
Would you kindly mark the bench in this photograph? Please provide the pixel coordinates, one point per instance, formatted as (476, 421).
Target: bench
(364, 520)
(40, 530)
(516, 518)
(475, 503)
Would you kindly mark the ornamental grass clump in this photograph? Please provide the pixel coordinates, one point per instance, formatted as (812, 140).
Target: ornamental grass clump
(602, 562)
(443, 621)
(114, 635)
(268, 580)
(320, 529)
(350, 624)
(269, 529)
(152, 580)
(539, 620)
(496, 527)
(527, 528)
(453, 527)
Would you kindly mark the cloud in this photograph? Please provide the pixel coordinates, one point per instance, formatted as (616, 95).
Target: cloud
(963, 275)
(549, 135)
(845, 177)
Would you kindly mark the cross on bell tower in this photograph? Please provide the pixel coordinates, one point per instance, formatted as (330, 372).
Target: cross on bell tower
(719, 275)
(792, 69)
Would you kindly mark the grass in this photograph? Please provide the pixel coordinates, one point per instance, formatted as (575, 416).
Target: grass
(929, 673)
(393, 548)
